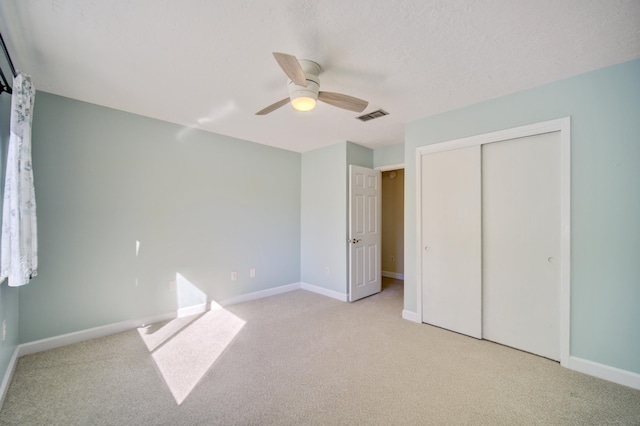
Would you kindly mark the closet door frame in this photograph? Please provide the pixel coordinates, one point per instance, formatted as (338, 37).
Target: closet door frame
(562, 125)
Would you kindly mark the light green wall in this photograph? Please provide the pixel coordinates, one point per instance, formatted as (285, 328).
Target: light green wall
(358, 155)
(323, 243)
(8, 295)
(389, 155)
(604, 106)
(325, 179)
(200, 204)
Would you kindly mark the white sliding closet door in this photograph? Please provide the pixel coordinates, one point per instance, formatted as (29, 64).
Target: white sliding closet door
(451, 232)
(521, 229)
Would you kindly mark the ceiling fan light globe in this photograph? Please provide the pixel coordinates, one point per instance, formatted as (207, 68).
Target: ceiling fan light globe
(303, 103)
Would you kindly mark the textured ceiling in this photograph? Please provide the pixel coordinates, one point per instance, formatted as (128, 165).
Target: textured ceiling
(208, 63)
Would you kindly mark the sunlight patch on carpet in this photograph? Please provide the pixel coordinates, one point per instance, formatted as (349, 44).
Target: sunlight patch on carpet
(185, 348)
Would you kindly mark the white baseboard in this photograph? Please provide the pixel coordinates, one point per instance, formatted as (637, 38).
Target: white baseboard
(612, 374)
(591, 368)
(106, 330)
(193, 310)
(323, 291)
(259, 294)
(410, 316)
(91, 333)
(395, 275)
(8, 375)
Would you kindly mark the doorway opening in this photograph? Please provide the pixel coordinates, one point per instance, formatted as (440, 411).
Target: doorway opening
(392, 227)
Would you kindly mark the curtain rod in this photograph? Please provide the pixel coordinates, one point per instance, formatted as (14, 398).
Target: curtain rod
(4, 85)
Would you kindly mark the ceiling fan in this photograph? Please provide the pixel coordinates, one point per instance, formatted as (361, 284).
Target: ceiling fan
(304, 88)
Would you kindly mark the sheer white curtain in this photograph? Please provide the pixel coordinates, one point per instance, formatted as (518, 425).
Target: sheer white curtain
(19, 257)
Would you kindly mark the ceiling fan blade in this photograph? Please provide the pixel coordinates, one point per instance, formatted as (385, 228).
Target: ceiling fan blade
(291, 68)
(273, 107)
(343, 101)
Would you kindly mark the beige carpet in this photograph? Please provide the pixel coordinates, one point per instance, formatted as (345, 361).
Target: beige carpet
(300, 358)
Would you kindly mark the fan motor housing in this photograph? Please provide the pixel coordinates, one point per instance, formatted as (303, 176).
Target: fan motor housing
(311, 70)
(311, 91)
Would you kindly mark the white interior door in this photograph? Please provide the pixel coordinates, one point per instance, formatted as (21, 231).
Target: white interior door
(521, 243)
(451, 240)
(365, 194)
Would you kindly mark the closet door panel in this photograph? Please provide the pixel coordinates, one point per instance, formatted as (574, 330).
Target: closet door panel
(521, 243)
(451, 232)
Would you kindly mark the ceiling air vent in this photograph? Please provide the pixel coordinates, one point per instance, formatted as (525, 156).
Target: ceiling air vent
(375, 114)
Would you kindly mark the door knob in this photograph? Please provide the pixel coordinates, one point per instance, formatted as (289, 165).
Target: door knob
(354, 240)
